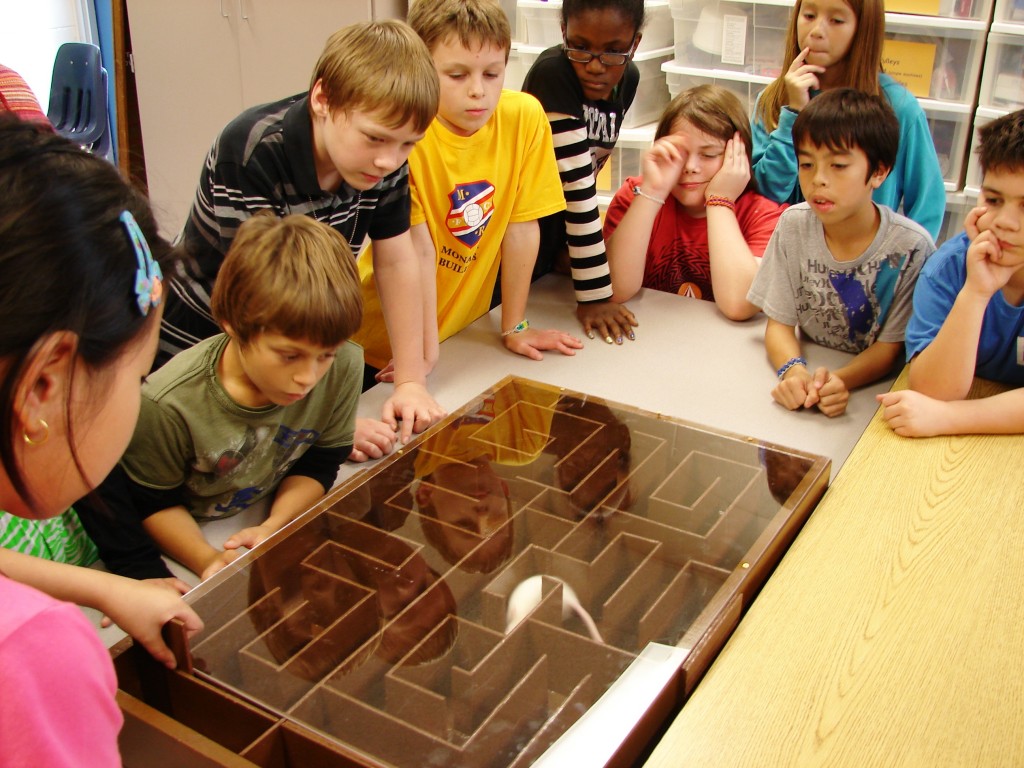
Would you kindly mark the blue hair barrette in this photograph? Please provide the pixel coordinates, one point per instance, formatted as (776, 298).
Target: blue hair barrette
(148, 277)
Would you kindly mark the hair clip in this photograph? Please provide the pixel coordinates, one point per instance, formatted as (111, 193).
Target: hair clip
(149, 286)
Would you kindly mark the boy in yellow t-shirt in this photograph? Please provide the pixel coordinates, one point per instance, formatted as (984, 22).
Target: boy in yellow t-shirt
(481, 177)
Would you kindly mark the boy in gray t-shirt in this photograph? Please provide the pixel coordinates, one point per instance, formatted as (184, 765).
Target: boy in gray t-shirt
(839, 266)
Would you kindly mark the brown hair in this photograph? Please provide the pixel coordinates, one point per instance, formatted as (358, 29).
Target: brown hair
(861, 65)
(381, 67)
(1001, 144)
(294, 276)
(713, 110)
(472, 22)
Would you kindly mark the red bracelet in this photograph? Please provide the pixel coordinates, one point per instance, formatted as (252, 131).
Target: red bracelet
(721, 200)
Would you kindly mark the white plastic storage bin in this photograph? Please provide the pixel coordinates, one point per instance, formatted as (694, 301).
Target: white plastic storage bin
(509, 6)
(625, 160)
(958, 205)
(1002, 82)
(543, 24)
(651, 94)
(514, 71)
(950, 124)
(972, 179)
(743, 36)
(526, 54)
(956, 9)
(1009, 10)
(746, 87)
(935, 58)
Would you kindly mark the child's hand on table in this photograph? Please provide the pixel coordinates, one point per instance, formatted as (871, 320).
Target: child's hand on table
(413, 405)
(913, 414)
(800, 389)
(373, 440)
(607, 320)
(248, 537)
(531, 342)
(221, 559)
(832, 394)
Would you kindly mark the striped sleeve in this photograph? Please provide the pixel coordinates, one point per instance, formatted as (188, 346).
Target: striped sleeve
(591, 277)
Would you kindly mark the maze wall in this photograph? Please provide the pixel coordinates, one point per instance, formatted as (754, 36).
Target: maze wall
(386, 623)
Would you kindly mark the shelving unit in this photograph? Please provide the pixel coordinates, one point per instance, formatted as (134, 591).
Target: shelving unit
(1002, 80)
(963, 67)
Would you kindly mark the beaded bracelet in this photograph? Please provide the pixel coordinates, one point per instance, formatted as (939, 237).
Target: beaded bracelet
(721, 200)
(789, 364)
(518, 329)
(639, 192)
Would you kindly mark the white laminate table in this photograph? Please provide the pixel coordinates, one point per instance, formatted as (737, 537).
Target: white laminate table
(688, 361)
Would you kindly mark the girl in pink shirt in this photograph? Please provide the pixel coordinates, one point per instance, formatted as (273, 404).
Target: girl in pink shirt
(81, 287)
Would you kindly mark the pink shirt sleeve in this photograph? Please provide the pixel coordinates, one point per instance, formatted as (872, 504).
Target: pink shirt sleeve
(58, 706)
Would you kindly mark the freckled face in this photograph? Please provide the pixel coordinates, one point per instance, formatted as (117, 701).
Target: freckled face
(702, 159)
(471, 82)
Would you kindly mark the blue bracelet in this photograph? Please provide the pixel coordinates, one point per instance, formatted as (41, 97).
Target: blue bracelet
(789, 364)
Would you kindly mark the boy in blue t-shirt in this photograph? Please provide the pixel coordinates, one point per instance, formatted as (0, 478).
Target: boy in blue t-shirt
(968, 316)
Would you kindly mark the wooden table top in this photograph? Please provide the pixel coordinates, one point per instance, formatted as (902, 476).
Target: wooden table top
(891, 633)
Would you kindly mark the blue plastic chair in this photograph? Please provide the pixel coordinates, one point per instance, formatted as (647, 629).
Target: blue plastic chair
(78, 94)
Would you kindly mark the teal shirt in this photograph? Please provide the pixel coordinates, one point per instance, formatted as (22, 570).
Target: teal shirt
(915, 182)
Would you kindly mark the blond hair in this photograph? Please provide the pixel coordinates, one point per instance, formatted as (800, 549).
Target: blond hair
(381, 67)
(473, 22)
(293, 276)
(861, 65)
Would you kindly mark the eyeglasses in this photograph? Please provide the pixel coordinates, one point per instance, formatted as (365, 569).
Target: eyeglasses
(580, 56)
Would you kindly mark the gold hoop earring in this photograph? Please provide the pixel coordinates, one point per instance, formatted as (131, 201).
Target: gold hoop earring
(46, 434)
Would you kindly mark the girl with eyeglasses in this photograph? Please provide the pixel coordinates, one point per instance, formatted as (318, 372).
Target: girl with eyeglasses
(586, 85)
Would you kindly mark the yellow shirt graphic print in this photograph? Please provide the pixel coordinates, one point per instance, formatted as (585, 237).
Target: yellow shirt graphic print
(471, 208)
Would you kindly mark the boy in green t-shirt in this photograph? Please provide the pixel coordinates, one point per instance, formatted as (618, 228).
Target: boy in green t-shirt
(265, 410)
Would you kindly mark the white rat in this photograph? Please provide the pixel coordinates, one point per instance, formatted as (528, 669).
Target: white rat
(527, 596)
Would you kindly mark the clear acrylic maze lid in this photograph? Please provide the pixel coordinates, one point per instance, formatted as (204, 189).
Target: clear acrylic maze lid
(537, 569)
